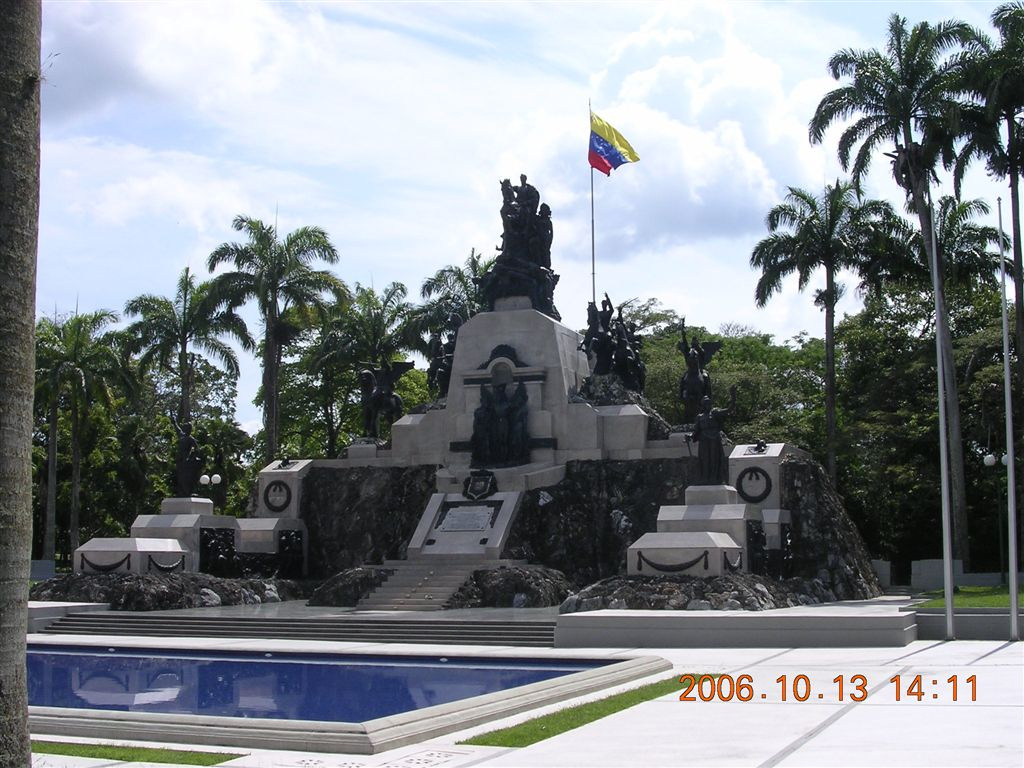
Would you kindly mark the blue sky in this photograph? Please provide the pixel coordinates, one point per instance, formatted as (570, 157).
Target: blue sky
(390, 124)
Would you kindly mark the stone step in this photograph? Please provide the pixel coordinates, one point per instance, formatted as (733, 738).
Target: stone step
(346, 620)
(532, 634)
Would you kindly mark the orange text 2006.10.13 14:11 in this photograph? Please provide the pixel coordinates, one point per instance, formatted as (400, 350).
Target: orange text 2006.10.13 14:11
(843, 688)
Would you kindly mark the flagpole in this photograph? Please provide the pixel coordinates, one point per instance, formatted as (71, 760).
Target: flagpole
(1011, 478)
(593, 250)
(593, 258)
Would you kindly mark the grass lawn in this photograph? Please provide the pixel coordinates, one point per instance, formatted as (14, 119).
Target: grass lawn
(540, 728)
(131, 754)
(974, 597)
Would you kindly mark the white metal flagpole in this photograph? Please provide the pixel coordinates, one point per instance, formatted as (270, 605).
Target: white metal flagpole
(593, 250)
(1011, 478)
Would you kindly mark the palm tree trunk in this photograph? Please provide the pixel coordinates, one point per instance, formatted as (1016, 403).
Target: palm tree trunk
(954, 437)
(19, 227)
(76, 477)
(830, 372)
(953, 440)
(50, 532)
(270, 356)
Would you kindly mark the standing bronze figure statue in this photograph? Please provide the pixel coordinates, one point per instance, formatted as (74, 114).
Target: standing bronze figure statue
(188, 462)
(707, 433)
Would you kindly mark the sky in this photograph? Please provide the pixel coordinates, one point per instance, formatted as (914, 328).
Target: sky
(391, 124)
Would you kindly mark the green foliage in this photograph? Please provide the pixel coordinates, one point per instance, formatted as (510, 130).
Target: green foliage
(540, 728)
(131, 754)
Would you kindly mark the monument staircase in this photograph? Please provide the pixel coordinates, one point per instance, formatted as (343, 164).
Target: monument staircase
(427, 583)
(347, 627)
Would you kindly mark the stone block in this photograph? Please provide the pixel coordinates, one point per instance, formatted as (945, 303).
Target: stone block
(582, 428)
(279, 488)
(358, 451)
(623, 427)
(730, 519)
(712, 494)
(755, 472)
(883, 570)
(192, 505)
(703, 554)
(135, 555)
(774, 520)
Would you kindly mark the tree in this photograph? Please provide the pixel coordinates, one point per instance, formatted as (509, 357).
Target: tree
(278, 275)
(968, 251)
(451, 290)
(77, 364)
(19, 228)
(906, 99)
(994, 76)
(169, 330)
(830, 232)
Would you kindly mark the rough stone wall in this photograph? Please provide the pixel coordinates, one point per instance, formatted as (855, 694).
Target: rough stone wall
(826, 544)
(362, 514)
(584, 525)
(512, 587)
(165, 591)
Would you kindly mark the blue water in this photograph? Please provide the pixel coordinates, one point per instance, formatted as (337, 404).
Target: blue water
(279, 685)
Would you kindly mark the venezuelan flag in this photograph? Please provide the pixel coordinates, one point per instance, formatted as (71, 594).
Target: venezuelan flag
(608, 148)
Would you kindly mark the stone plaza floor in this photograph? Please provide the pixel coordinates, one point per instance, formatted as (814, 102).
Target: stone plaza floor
(923, 727)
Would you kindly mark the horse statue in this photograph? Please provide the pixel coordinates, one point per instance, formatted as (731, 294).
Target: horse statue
(381, 404)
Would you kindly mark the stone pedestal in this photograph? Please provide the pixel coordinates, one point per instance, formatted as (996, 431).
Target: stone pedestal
(692, 554)
(714, 525)
(204, 536)
(455, 525)
(279, 490)
(135, 555)
(187, 505)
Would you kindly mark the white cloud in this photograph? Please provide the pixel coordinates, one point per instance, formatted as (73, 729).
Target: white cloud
(390, 125)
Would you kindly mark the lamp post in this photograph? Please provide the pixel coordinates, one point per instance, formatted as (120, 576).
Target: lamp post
(210, 480)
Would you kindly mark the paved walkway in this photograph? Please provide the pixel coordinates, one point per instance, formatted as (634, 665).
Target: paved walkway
(930, 730)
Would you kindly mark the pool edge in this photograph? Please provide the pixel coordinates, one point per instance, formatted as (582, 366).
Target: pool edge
(369, 737)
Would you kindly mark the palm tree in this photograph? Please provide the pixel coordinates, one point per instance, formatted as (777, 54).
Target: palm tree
(171, 331)
(830, 232)
(968, 251)
(377, 325)
(452, 290)
(278, 275)
(19, 229)
(76, 363)
(994, 76)
(905, 99)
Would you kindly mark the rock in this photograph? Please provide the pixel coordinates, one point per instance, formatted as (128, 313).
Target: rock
(153, 592)
(590, 518)
(270, 595)
(347, 588)
(825, 542)
(732, 592)
(512, 587)
(362, 515)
